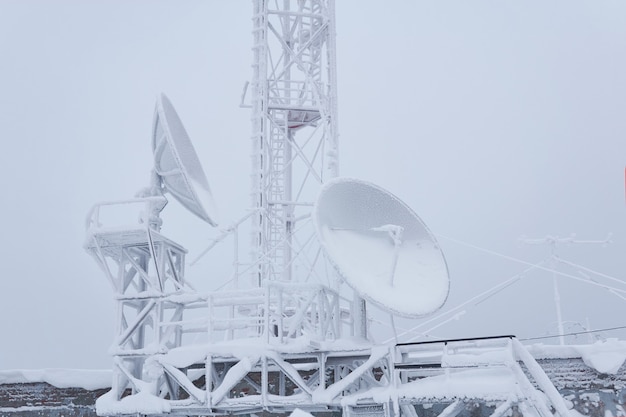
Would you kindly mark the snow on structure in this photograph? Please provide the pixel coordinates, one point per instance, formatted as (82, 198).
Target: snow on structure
(300, 413)
(60, 378)
(381, 247)
(147, 403)
(606, 357)
(285, 334)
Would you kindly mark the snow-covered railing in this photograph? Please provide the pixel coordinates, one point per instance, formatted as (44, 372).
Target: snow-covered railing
(131, 213)
(277, 312)
(422, 359)
(290, 94)
(502, 355)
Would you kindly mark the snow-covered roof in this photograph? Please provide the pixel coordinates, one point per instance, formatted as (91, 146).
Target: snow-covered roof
(60, 378)
(606, 357)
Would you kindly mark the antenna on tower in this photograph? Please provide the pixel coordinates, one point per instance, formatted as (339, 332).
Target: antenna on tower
(145, 268)
(553, 242)
(374, 241)
(288, 340)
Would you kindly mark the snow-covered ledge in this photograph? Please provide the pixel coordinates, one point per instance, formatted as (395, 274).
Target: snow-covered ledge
(606, 357)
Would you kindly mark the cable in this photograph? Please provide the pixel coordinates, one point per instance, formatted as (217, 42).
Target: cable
(574, 333)
(479, 298)
(510, 258)
(591, 271)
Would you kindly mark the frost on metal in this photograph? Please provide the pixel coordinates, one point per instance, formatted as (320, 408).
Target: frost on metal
(381, 247)
(290, 336)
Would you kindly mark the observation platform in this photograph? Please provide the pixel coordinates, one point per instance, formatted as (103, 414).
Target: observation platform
(460, 378)
(470, 377)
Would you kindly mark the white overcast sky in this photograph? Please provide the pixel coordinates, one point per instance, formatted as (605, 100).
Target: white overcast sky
(491, 119)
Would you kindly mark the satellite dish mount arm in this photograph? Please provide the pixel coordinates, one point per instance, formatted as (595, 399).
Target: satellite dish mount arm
(155, 202)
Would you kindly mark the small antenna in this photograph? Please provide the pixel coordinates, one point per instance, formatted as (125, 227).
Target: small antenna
(553, 242)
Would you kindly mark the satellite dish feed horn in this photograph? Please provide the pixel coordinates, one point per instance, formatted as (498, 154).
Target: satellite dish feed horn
(381, 248)
(177, 165)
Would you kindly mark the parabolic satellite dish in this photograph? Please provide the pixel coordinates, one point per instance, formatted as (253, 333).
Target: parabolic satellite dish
(381, 247)
(177, 163)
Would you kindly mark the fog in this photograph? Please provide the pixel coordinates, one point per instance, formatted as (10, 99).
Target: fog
(492, 120)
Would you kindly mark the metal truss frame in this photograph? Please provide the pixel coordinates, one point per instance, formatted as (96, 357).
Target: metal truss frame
(375, 381)
(280, 343)
(294, 127)
(146, 271)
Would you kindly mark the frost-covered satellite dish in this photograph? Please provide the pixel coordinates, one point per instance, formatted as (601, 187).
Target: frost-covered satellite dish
(381, 248)
(177, 164)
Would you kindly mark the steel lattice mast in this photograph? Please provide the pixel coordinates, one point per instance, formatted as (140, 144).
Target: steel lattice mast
(294, 126)
(288, 342)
